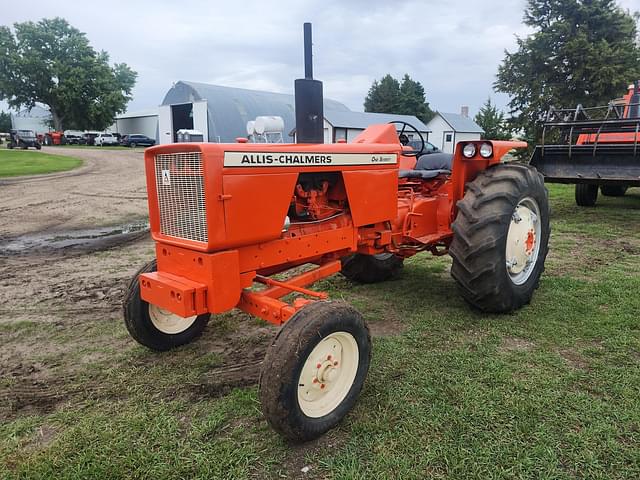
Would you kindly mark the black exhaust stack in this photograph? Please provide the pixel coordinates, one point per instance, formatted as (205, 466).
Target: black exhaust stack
(309, 103)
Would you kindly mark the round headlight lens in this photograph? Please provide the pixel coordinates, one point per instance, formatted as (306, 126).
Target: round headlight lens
(486, 150)
(469, 150)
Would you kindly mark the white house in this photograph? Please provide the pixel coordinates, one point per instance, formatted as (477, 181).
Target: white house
(347, 125)
(447, 129)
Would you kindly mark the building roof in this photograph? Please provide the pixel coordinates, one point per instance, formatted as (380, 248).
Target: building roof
(460, 123)
(34, 112)
(151, 112)
(361, 120)
(231, 108)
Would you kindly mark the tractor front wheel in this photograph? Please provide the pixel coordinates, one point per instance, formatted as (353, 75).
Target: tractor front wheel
(501, 236)
(154, 327)
(371, 268)
(586, 194)
(314, 370)
(613, 190)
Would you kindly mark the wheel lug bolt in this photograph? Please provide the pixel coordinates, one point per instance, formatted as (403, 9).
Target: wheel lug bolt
(318, 365)
(315, 380)
(328, 357)
(335, 364)
(322, 386)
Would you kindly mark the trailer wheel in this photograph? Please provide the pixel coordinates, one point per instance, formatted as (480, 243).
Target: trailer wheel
(371, 268)
(586, 194)
(314, 370)
(38, 146)
(501, 236)
(613, 190)
(154, 327)
(10, 145)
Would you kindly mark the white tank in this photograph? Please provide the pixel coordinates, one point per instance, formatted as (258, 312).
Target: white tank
(251, 127)
(269, 124)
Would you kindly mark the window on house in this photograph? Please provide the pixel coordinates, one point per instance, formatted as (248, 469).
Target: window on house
(448, 137)
(341, 134)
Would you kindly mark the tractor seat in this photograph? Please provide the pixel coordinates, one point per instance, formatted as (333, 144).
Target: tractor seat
(430, 166)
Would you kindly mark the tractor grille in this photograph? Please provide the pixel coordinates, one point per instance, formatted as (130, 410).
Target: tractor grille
(180, 186)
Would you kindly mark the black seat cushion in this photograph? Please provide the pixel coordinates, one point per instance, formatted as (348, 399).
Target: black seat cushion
(435, 161)
(423, 174)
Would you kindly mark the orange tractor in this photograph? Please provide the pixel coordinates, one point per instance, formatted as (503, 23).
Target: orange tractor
(252, 226)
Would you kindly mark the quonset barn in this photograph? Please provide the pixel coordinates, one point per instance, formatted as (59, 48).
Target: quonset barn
(221, 115)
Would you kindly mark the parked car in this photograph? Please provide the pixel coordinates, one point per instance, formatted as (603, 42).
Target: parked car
(136, 139)
(428, 146)
(23, 139)
(73, 139)
(103, 139)
(89, 137)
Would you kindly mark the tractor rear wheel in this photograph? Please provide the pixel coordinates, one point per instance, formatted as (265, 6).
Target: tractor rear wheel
(613, 190)
(314, 370)
(371, 268)
(586, 194)
(154, 327)
(501, 236)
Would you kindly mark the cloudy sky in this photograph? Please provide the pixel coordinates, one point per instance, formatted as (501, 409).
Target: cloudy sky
(452, 47)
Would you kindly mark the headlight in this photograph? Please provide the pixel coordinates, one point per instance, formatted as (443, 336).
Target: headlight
(469, 150)
(486, 150)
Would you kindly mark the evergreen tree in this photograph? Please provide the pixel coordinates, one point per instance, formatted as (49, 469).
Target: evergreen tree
(581, 51)
(412, 100)
(492, 122)
(5, 122)
(383, 96)
(402, 98)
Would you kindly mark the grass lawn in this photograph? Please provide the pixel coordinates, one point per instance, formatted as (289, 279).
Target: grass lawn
(31, 162)
(551, 391)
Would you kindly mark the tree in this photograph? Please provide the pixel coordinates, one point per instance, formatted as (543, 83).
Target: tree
(383, 96)
(492, 122)
(5, 122)
(50, 62)
(402, 98)
(581, 51)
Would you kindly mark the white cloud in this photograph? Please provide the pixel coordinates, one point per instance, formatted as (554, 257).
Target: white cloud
(452, 47)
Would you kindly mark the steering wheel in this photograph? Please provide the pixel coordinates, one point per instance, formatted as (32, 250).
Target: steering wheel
(404, 140)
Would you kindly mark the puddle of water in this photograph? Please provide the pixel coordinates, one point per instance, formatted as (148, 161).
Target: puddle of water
(72, 238)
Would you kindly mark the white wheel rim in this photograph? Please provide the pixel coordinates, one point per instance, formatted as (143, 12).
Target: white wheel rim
(328, 374)
(523, 240)
(168, 322)
(383, 256)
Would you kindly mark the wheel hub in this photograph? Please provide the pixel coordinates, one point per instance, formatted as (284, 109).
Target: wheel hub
(327, 375)
(523, 241)
(168, 322)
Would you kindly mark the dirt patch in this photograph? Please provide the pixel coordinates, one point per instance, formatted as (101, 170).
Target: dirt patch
(588, 254)
(242, 352)
(299, 463)
(515, 344)
(574, 359)
(387, 327)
